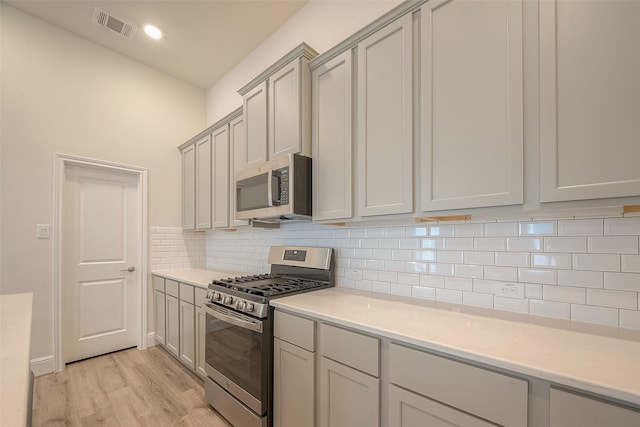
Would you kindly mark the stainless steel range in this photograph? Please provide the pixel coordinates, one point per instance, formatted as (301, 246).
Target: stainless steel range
(239, 331)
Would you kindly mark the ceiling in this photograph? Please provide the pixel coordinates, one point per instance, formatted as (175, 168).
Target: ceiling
(202, 40)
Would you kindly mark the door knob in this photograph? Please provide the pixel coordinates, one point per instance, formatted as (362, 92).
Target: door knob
(130, 269)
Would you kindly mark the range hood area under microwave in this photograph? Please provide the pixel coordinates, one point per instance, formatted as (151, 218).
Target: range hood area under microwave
(275, 191)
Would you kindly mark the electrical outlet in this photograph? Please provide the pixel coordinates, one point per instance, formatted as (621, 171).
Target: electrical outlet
(509, 290)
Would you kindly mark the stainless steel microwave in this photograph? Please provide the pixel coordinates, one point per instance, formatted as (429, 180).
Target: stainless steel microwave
(279, 189)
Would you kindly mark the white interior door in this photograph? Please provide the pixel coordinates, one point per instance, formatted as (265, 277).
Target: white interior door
(100, 261)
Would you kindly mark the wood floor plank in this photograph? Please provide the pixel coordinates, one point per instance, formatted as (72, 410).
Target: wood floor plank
(127, 388)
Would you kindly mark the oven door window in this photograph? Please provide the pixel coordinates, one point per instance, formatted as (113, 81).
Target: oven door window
(237, 353)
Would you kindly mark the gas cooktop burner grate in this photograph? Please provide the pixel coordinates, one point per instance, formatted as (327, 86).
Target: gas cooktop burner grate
(274, 284)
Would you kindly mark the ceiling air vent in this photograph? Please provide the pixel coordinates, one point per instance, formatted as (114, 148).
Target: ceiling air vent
(103, 19)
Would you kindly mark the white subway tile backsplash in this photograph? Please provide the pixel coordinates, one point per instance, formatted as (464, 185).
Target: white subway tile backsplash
(506, 274)
(469, 271)
(629, 319)
(587, 279)
(458, 283)
(631, 263)
(580, 227)
(564, 294)
(490, 244)
(613, 244)
(432, 281)
(511, 304)
(453, 257)
(590, 314)
(449, 295)
(622, 281)
(622, 226)
(441, 231)
(559, 310)
(533, 275)
(469, 230)
(547, 228)
(614, 299)
(481, 258)
(423, 292)
(551, 260)
(522, 244)
(458, 243)
(501, 229)
(597, 262)
(513, 259)
(477, 300)
(441, 269)
(586, 269)
(565, 244)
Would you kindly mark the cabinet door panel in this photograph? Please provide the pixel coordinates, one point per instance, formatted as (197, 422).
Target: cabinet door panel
(347, 397)
(220, 138)
(159, 313)
(172, 314)
(332, 126)
(189, 188)
(472, 104)
(236, 143)
(255, 116)
(293, 385)
(187, 334)
(201, 321)
(589, 91)
(570, 409)
(408, 409)
(284, 111)
(385, 122)
(203, 183)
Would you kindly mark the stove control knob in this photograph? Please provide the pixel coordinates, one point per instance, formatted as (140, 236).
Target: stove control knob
(228, 300)
(241, 306)
(250, 307)
(217, 296)
(210, 295)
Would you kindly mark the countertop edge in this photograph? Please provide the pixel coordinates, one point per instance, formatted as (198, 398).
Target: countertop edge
(559, 378)
(187, 275)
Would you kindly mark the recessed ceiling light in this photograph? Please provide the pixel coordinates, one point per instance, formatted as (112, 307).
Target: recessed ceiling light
(153, 31)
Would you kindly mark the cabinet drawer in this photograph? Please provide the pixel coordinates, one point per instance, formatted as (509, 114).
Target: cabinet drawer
(186, 293)
(571, 409)
(295, 330)
(495, 397)
(158, 283)
(350, 348)
(200, 297)
(171, 287)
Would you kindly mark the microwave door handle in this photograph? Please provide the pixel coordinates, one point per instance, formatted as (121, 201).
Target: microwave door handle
(270, 188)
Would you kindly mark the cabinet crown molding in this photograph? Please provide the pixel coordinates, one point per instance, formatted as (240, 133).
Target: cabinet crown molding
(223, 121)
(302, 50)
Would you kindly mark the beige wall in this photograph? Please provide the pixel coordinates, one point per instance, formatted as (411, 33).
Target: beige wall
(61, 93)
(321, 24)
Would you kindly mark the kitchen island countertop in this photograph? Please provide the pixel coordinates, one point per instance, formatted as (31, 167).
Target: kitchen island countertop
(195, 276)
(597, 359)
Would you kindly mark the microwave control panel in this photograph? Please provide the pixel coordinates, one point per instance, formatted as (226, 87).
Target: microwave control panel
(283, 174)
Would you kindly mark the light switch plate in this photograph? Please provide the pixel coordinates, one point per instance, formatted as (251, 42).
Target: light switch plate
(42, 231)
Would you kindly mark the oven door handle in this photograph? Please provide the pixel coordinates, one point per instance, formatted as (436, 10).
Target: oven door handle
(233, 319)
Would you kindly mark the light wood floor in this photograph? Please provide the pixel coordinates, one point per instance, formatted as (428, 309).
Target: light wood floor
(128, 388)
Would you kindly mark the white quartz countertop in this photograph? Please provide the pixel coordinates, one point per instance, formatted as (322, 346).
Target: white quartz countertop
(15, 347)
(195, 276)
(602, 362)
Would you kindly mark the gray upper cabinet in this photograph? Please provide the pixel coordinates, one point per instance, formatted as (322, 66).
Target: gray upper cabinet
(277, 109)
(589, 91)
(254, 105)
(220, 143)
(236, 144)
(385, 120)
(188, 156)
(472, 104)
(332, 138)
(203, 183)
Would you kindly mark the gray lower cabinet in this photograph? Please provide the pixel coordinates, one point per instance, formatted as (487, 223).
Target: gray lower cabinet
(159, 315)
(294, 367)
(572, 409)
(407, 409)
(187, 334)
(348, 397)
(172, 314)
(201, 321)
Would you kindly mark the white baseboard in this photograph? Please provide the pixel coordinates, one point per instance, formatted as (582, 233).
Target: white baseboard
(42, 365)
(151, 339)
